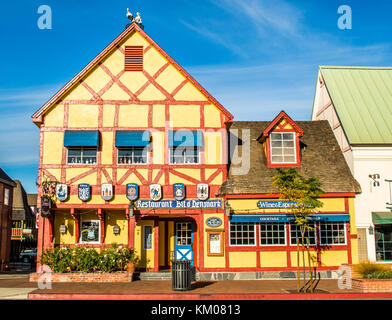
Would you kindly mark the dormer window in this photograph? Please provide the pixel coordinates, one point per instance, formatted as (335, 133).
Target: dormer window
(280, 142)
(283, 147)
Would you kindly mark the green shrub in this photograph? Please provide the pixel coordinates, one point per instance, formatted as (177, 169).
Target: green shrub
(87, 259)
(367, 268)
(379, 275)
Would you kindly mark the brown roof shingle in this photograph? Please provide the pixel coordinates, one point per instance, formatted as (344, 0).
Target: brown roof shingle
(320, 157)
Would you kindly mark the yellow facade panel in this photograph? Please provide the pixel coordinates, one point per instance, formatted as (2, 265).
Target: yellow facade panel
(133, 116)
(55, 173)
(293, 257)
(97, 79)
(170, 78)
(158, 141)
(113, 218)
(212, 116)
(146, 256)
(151, 93)
(193, 173)
(330, 258)
(185, 115)
(55, 116)
(69, 236)
(189, 93)
(108, 112)
(115, 92)
(242, 259)
(133, 80)
(158, 115)
(273, 259)
(114, 62)
(52, 148)
(134, 39)
(107, 148)
(212, 148)
(81, 116)
(79, 92)
(153, 61)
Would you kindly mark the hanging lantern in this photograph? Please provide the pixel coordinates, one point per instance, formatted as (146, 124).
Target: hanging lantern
(116, 229)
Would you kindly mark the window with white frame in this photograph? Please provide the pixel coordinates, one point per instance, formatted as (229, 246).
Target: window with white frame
(242, 234)
(283, 147)
(184, 155)
(272, 234)
(332, 233)
(90, 231)
(132, 155)
(296, 233)
(82, 155)
(147, 237)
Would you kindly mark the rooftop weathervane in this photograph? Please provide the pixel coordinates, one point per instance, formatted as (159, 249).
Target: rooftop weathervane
(137, 19)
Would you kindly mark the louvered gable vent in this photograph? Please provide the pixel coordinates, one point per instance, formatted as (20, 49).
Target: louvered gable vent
(133, 58)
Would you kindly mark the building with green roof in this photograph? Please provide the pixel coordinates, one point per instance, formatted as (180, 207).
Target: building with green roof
(357, 102)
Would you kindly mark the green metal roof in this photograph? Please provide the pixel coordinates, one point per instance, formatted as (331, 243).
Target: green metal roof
(362, 97)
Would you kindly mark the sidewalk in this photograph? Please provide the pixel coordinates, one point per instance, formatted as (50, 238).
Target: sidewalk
(15, 286)
(202, 290)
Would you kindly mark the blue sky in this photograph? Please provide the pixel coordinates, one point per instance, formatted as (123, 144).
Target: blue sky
(256, 57)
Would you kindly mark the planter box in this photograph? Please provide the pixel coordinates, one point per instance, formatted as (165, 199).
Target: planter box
(84, 277)
(372, 285)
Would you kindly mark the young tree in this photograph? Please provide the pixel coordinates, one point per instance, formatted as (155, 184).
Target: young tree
(303, 193)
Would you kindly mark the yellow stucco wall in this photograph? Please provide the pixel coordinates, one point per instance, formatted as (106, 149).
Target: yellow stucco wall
(146, 256)
(69, 236)
(242, 259)
(111, 219)
(273, 259)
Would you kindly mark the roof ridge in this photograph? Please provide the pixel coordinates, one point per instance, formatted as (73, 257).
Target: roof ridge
(355, 67)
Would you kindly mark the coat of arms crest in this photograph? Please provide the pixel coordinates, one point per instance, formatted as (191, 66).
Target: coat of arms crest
(202, 191)
(155, 192)
(84, 191)
(179, 191)
(107, 191)
(132, 191)
(61, 191)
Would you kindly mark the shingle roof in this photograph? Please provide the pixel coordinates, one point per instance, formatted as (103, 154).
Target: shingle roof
(320, 157)
(20, 205)
(4, 178)
(362, 97)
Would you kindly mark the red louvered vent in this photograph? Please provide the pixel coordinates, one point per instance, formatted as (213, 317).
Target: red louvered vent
(133, 58)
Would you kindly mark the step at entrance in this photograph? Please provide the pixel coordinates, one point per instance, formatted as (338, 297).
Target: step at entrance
(162, 275)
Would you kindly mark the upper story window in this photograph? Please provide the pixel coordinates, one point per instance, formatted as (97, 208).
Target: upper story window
(82, 146)
(283, 147)
(82, 156)
(133, 58)
(185, 146)
(281, 142)
(132, 146)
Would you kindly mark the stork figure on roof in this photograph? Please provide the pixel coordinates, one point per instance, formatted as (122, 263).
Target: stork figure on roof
(137, 19)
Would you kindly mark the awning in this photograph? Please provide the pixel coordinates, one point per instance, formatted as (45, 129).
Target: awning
(134, 138)
(319, 217)
(382, 217)
(78, 138)
(185, 138)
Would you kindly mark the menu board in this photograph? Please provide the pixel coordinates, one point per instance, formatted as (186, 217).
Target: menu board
(215, 243)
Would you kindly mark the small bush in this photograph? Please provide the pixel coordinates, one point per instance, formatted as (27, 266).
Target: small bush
(379, 275)
(367, 268)
(87, 259)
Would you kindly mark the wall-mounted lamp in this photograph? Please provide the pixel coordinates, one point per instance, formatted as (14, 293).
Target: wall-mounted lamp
(116, 229)
(374, 177)
(371, 230)
(131, 208)
(227, 208)
(63, 229)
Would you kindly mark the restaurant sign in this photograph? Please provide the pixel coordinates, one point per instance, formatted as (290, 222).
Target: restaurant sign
(176, 204)
(275, 204)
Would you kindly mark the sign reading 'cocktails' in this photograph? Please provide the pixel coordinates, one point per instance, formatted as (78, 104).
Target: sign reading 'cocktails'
(175, 204)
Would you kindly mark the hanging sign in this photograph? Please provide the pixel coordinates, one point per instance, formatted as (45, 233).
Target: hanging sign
(84, 191)
(202, 191)
(214, 222)
(132, 191)
(179, 191)
(107, 191)
(155, 192)
(61, 192)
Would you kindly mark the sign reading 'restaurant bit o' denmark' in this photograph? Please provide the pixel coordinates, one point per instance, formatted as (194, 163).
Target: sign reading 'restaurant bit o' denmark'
(168, 204)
